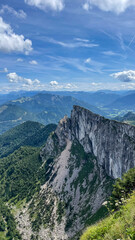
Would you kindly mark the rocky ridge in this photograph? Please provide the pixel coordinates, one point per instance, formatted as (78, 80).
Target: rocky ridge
(112, 142)
(81, 159)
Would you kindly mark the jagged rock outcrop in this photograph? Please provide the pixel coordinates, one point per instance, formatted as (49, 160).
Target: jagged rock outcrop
(80, 160)
(112, 142)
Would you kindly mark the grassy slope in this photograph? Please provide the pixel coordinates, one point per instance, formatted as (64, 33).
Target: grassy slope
(120, 225)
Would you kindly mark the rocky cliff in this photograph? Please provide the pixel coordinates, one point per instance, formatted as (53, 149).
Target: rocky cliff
(80, 160)
(112, 142)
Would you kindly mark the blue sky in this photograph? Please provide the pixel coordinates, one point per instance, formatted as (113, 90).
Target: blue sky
(67, 45)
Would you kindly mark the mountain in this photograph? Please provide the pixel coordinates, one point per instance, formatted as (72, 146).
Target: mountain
(98, 99)
(130, 116)
(124, 103)
(44, 108)
(51, 103)
(57, 191)
(127, 118)
(27, 134)
(4, 98)
(12, 115)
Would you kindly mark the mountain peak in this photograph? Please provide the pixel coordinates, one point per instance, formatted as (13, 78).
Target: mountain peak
(80, 161)
(112, 142)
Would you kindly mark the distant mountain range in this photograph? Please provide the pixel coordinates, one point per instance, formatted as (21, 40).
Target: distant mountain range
(98, 99)
(14, 95)
(49, 107)
(123, 103)
(43, 107)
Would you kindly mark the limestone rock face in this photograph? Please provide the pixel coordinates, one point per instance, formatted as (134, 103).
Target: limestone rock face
(113, 143)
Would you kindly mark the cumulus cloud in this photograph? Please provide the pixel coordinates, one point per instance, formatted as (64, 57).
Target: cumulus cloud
(55, 5)
(58, 86)
(54, 83)
(19, 14)
(125, 76)
(70, 86)
(33, 62)
(14, 78)
(11, 42)
(116, 6)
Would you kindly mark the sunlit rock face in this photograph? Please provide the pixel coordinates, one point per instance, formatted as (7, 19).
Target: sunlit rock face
(113, 143)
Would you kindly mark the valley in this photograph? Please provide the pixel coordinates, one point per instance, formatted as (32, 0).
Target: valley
(55, 180)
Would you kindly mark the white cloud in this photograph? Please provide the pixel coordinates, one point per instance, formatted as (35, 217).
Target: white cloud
(113, 54)
(88, 60)
(116, 6)
(11, 42)
(19, 60)
(33, 62)
(55, 5)
(14, 78)
(76, 44)
(97, 66)
(86, 6)
(5, 70)
(95, 84)
(125, 76)
(58, 86)
(19, 14)
(53, 83)
(70, 86)
(81, 40)
(36, 81)
(110, 53)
